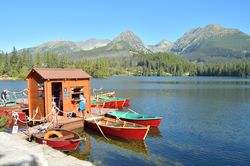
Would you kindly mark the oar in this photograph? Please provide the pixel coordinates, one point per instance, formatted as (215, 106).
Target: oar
(116, 115)
(132, 111)
(76, 140)
(100, 128)
(123, 103)
(125, 113)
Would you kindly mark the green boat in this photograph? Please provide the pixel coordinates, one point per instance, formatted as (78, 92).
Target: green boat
(136, 118)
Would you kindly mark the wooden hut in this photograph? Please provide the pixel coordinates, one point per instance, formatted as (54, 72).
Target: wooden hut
(61, 86)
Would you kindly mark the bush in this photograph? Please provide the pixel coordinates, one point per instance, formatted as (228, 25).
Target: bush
(5, 121)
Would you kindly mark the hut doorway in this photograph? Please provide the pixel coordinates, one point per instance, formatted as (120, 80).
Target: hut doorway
(57, 95)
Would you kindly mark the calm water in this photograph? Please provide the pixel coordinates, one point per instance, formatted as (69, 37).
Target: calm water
(206, 122)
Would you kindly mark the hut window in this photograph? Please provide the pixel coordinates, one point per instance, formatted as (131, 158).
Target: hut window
(76, 92)
(40, 88)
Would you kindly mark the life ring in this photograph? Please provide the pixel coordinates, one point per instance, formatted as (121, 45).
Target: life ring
(52, 134)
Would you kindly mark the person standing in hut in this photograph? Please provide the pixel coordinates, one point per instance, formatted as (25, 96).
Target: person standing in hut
(82, 107)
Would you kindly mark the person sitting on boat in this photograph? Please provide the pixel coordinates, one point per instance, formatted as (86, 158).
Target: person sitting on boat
(4, 95)
(82, 107)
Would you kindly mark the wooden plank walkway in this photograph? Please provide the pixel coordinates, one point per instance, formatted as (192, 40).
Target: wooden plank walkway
(69, 123)
(77, 122)
(15, 150)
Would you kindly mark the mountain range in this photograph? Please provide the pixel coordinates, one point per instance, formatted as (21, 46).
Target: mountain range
(209, 43)
(213, 41)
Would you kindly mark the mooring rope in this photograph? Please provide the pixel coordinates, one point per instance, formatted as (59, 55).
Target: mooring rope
(23, 92)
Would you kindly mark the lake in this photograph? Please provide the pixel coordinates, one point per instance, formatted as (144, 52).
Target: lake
(206, 121)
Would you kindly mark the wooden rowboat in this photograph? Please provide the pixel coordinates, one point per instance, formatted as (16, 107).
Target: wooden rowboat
(21, 109)
(135, 118)
(117, 128)
(59, 139)
(113, 102)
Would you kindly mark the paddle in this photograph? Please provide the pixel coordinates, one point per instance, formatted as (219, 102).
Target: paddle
(99, 128)
(132, 111)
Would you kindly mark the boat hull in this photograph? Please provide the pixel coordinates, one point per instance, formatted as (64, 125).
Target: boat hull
(112, 104)
(62, 145)
(119, 103)
(121, 132)
(154, 122)
(21, 115)
(135, 118)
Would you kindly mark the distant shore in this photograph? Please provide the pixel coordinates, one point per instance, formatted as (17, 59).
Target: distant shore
(166, 75)
(10, 78)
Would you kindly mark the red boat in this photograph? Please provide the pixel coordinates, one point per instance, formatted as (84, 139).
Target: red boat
(113, 102)
(124, 102)
(117, 128)
(21, 109)
(63, 140)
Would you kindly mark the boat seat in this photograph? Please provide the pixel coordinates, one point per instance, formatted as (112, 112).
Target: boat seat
(63, 138)
(115, 123)
(124, 124)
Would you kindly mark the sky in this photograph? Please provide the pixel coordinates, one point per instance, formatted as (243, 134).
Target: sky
(27, 23)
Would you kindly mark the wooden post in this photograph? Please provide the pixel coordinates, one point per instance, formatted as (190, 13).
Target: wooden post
(83, 117)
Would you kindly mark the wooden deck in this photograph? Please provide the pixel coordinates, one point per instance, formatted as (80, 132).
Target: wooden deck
(77, 122)
(68, 123)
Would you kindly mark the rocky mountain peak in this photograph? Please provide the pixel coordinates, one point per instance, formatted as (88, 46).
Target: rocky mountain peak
(213, 26)
(216, 29)
(128, 36)
(162, 46)
(57, 44)
(164, 43)
(194, 38)
(128, 40)
(92, 43)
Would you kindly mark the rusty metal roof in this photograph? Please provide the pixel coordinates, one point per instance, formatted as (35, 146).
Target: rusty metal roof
(59, 73)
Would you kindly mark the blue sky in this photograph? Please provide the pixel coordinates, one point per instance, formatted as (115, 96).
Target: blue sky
(28, 23)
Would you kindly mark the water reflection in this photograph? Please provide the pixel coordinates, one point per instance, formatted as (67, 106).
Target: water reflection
(84, 149)
(138, 146)
(154, 132)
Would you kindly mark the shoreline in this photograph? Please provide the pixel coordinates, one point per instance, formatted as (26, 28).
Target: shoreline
(184, 76)
(10, 78)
